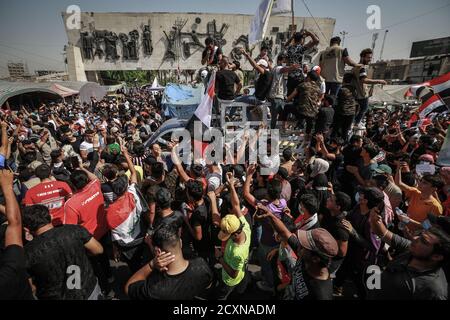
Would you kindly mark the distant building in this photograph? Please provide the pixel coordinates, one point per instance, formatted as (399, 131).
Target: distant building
(40, 73)
(393, 70)
(434, 47)
(429, 59)
(18, 70)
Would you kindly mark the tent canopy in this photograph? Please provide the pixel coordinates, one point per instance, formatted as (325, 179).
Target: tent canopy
(12, 89)
(154, 86)
(390, 94)
(86, 90)
(181, 101)
(60, 89)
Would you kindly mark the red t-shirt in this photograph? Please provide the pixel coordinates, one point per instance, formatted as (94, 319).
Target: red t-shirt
(87, 208)
(51, 194)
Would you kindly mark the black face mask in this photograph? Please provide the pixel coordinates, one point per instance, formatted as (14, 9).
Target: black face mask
(331, 149)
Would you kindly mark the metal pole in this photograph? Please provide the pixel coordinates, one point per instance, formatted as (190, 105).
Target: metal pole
(293, 18)
(382, 47)
(343, 33)
(374, 40)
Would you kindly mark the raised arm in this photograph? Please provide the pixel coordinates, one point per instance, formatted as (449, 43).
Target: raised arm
(133, 176)
(253, 62)
(91, 176)
(13, 235)
(398, 177)
(373, 81)
(288, 43)
(4, 146)
(234, 196)
(377, 227)
(290, 68)
(247, 195)
(323, 148)
(276, 223)
(241, 152)
(214, 209)
(314, 40)
(349, 61)
(177, 163)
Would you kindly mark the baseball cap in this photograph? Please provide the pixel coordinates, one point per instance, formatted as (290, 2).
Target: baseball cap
(319, 241)
(263, 63)
(114, 130)
(229, 225)
(383, 168)
(317, 69)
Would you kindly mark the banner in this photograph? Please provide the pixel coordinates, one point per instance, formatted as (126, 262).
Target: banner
(260, 22)
(281, 7)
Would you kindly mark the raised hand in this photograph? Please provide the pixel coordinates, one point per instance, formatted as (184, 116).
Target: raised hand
(162, 260)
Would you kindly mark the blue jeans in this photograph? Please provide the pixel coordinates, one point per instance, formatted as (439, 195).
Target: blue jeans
(332, 88)
(276, 108)
(266, 267)
(253, 101)
(363, 106)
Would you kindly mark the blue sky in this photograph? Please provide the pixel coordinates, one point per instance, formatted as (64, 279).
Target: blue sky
(33, 31)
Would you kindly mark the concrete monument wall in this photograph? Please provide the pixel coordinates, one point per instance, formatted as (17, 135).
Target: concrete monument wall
(168, 41)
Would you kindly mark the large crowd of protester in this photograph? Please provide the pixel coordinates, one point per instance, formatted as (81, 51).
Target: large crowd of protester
(364, 198)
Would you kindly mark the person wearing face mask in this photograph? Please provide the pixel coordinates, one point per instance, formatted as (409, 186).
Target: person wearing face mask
(364, 246)
(278, 91)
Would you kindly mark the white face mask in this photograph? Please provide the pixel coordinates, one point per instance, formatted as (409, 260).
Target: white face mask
(357, 197)
(284, 64)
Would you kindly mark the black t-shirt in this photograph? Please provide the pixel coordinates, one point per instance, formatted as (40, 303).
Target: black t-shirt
(225, 81)
(335, 165)
(306, 287)
(13, 276)
(184, 286)
(201, 217)
(174, 219)
(324, 119)
(76, 144)
(334, 227)
(55, 257)
(263, 85)
(150, 191)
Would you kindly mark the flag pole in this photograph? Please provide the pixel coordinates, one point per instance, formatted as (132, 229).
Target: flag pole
(293, 18)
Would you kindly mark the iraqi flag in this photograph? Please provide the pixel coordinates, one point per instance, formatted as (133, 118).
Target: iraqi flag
(200, 122)
(440, 85)
(433, 105)
(124, 216)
